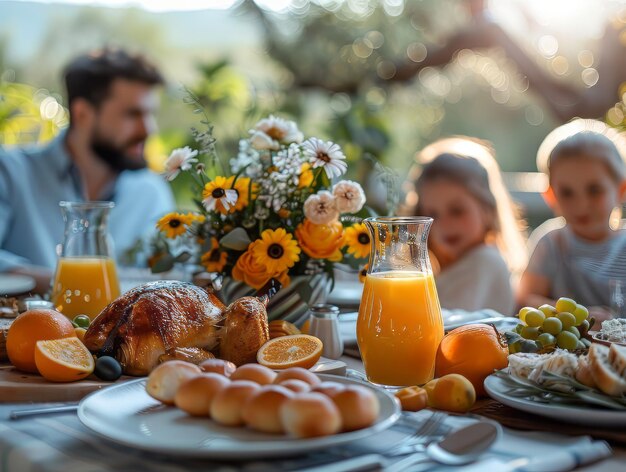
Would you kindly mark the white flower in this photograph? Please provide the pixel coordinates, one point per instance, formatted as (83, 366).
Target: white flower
(325, 154)
(349, 196)
(180, 159)
(226, 197)
(262, 141)
(320, 208)
(279, 130)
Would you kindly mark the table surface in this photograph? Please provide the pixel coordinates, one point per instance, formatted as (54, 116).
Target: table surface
(611, 464)
(614, 463)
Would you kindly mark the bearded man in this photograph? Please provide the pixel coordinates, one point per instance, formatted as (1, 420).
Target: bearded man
(112, 96)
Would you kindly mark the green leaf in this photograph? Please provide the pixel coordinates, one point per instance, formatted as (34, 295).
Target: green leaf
(183, 257)
(237, 239)
(164, 264)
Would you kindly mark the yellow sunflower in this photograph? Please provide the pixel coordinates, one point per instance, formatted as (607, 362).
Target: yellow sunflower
(248, 270)
(244, 191)
(276, 250)
(214, 260)
(218, 195)
(357, 238)
(363, 273)
(173, 224)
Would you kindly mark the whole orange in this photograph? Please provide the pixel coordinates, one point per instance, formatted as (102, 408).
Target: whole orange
(30, 327)
(473, 351)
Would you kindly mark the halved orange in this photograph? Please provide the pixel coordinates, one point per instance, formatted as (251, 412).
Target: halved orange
(297, 350)
(63, 360)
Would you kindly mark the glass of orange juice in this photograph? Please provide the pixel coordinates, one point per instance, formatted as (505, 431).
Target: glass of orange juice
(86, 277)
(399, 327)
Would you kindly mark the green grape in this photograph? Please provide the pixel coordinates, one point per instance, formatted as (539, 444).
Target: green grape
(518, 328)
(574, 331)
(586, 342)
(548, 310)
(546, 339)
(552, 326)
(580, 345)
(535, 318)
(522, 313)
(565, 304)
(581, 313)
(514, 348)
(567, 319)
(566, 340)
(530, 332)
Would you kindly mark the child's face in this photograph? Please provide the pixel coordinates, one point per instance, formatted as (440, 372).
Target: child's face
(585, 194)
(460, 221)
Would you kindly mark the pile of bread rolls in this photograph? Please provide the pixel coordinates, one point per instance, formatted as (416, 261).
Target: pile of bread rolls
(293, 401)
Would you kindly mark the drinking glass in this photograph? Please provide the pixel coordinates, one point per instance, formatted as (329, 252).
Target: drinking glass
(617, 289)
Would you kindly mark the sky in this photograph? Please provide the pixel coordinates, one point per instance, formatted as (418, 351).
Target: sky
(171, 5)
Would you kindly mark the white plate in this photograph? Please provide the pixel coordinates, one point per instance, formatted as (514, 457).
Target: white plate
(13, 284)
(597, 417)
(126, 414)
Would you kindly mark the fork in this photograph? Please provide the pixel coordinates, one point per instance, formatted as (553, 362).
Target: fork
(426, 430)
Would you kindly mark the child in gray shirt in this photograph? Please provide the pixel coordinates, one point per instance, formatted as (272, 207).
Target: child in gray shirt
(584, 161)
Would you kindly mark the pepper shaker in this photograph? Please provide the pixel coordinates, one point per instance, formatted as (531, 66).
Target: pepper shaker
(324, 324)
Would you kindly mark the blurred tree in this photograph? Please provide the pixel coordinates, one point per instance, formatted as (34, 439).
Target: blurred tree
(92, 28)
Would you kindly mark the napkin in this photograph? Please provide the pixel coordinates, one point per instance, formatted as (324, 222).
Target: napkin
(583, 452)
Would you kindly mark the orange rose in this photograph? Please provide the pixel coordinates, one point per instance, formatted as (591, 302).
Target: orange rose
(253, 274)
(321, 241)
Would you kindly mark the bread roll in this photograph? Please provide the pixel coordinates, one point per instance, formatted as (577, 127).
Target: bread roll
(255, 373)
(328, 388)
(358, 407)
(295, 385)
(196, 394)
(605, 377)
(164, 380)
(262, 411)
(218, 366)
(227, 405)
(297, 373)
(309, 415)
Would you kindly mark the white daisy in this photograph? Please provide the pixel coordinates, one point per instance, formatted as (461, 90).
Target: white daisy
(180, 159)
(325, 154)
(349, 196)
(320, 208)
(279, 130)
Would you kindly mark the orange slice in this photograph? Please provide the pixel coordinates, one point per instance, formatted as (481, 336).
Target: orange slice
(63, 360)
(298, 350)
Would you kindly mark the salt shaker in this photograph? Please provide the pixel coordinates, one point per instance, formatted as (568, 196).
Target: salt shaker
(324, 325)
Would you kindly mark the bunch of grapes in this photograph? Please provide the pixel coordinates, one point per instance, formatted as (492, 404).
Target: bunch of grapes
(563, 326)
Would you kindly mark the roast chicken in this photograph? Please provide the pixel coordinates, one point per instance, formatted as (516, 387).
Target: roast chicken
(174, 320)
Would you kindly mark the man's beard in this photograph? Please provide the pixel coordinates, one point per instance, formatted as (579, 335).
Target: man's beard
(115, 157)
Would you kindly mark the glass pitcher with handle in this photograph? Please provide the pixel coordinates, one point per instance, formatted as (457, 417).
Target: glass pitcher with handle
(86, 277)
(399, 326)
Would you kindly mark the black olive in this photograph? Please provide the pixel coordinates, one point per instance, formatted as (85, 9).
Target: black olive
(107, 368)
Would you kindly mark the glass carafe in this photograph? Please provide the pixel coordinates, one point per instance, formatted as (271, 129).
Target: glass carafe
(86, 278)
(399, 327)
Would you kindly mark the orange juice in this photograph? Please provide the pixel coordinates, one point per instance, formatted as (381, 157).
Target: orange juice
(85, 285)
(399, 327)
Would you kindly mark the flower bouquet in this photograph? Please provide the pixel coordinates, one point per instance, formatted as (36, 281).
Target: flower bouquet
(278, 211)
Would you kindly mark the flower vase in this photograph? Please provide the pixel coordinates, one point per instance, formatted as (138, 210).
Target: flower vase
(290, 303)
